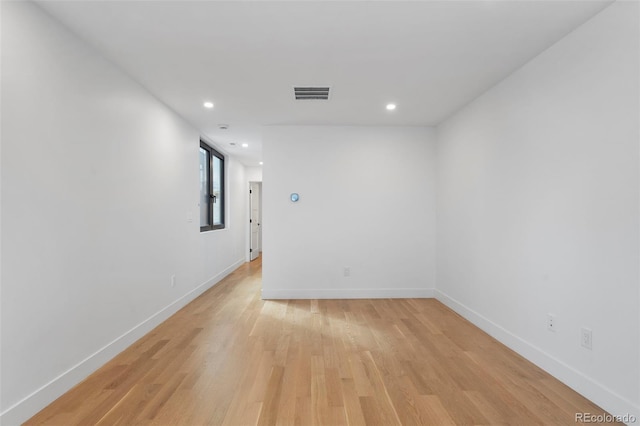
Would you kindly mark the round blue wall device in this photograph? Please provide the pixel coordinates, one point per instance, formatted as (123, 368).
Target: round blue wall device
(295, 197)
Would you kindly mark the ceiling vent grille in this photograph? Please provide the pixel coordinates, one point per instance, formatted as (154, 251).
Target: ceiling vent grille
(317, 93)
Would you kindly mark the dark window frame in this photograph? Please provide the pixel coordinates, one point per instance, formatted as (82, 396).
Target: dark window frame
(212, 152)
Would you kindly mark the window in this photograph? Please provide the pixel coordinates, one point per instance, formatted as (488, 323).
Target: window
(211, 188)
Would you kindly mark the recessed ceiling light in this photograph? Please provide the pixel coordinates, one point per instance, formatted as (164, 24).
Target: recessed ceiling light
(261, 163)
(208, 105)
(391, 107)
(245, 145)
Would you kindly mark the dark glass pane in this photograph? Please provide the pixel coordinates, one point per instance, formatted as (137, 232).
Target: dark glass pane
(204, 188)
(217, 190)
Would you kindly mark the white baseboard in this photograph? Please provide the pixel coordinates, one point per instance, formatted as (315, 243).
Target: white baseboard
(341, 293)
(584, 385)
(45, 395)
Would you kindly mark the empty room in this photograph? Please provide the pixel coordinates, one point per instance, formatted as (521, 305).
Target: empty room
(320, 213)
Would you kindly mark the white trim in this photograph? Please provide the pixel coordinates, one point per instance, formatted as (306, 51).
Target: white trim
(339, 293)
(584, 385)
(40, 398)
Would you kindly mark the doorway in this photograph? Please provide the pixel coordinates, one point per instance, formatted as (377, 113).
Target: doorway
(255, 219)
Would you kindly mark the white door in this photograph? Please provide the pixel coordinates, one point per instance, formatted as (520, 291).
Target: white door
(254, 201)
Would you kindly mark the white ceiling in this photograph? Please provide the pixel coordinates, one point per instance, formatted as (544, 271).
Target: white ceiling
(429, 57)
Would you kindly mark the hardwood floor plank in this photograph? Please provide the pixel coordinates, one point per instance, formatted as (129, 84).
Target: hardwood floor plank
(352, 407)
(435, 413)
(271, 400)
(230, 358)
(287, 404)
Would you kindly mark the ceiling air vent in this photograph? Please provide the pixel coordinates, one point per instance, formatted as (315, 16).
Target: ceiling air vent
(321, 93)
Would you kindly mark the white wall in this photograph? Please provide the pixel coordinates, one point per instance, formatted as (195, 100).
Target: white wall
(253, 174)
(98, 179)
(538, 209)
(367, 202)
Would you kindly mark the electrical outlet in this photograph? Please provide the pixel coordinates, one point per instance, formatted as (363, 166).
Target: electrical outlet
(586, 337)
(346, 271)
(173, 280)
(551, 322)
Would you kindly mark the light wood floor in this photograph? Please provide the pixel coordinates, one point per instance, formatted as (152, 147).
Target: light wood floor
(231, 358)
